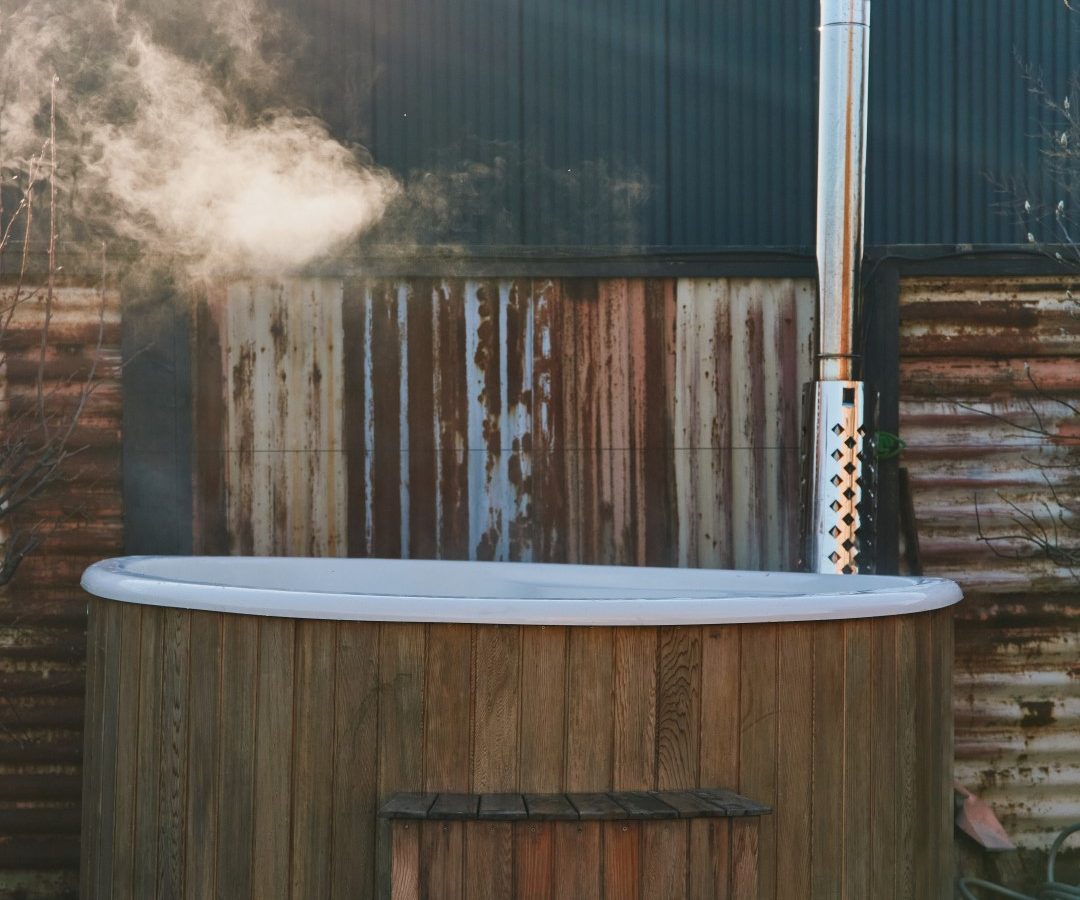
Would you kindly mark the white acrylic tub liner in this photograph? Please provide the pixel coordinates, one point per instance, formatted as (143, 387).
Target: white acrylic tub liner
(382, 590)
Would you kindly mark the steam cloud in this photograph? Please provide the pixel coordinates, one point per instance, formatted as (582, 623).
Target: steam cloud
(185, 156)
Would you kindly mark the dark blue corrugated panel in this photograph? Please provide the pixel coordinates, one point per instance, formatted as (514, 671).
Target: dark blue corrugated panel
(691, 123)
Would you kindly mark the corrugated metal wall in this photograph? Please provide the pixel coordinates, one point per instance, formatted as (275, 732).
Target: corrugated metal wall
(43, 611)
(966, 347)
(622, 420)
(709, 107)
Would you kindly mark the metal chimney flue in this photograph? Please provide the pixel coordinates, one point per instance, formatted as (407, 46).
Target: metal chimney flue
(838, 480)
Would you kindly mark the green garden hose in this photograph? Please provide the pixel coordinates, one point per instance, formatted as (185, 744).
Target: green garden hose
(1050, 890)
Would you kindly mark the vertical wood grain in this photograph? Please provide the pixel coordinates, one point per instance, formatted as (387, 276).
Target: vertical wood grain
(127, 737)
(758, 705)
(274, 758)
(405, 862)
(496, 705)
(442, 858)
(827, 847)
(144, 851)
(794, 759)
(942, 763)
(589, 709)
(745, 862)
(204, 738)
(858, 724)
(93, 746)
(313, 758)
(534, 860)
(239, 653)
(884, 780)
(907, 800)
(925, 851)
(401, 720)
(634, 765)
(577, 856)
(622, 859)
(489, 860)
(678, 708)
(112, 654)
(543, 708)
(709, 859)
(447, 725)
(843, 726)
(172, 786)
(721, 663)
(664, 848)
(356, 713)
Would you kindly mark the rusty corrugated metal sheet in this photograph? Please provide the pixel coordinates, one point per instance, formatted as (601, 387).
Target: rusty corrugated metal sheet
(285, 465)
(43, 611)
(973, 342)
(620, 420)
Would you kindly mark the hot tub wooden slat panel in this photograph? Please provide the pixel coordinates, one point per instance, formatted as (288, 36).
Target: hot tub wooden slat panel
(908, 757)
(589, 714)
(339, 715)
(98, 752)
(745, 859)
(489, 860)
(92, 749)
(313, 760)
(127, 731)
(678, 708)
(405, 866)
(447, 733)
(858, 725)
(172, 789)
(144, 850)
(710, 839)
(576, 874)
(794, 757)
(622, 858)
(401, 719)
(664, 845)
(534, 860)
(204, 748)
(943, 641)
(720, 682)
(543, 708)
(274, 765)
(497, 700)
(924, 778)
(758, 734)
(356, 715)
(442, 858)
(634, 763)
(827, 850)
(240, 646)
(883, 781)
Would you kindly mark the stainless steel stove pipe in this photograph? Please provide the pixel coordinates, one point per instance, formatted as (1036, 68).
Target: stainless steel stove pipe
(838, 512)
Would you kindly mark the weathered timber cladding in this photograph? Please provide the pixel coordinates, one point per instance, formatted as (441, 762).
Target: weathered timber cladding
(299, 730)
(611, 421)
(977, 355)
(42, 611)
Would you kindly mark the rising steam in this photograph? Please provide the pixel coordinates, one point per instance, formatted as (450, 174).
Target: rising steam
(171, 151)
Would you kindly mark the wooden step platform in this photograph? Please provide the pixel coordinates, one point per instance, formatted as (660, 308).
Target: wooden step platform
(698, 843)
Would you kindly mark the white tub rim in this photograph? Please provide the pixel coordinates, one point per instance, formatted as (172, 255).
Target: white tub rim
(259, 586)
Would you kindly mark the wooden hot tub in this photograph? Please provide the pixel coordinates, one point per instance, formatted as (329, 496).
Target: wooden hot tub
(246, 717)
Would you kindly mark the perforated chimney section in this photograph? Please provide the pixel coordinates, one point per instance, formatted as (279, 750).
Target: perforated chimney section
(838, 488)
